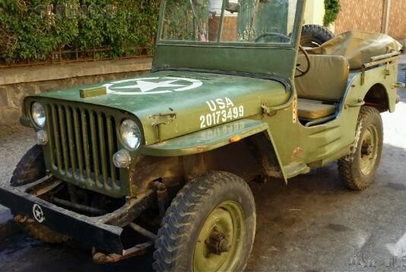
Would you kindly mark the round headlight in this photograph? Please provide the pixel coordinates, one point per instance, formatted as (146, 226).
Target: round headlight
(130, 134)
(38, 114)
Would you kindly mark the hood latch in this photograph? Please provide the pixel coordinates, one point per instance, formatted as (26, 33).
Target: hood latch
(162, 119)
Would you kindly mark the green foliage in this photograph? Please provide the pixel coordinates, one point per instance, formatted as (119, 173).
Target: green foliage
(333, 8)
(31, 30)
(180, 23)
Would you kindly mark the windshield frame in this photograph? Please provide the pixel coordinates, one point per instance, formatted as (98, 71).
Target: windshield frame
(219, 43)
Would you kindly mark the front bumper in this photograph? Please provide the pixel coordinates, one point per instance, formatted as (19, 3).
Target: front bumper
(103, 232)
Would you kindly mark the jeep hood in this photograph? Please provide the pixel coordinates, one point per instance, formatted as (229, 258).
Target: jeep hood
(183, 102)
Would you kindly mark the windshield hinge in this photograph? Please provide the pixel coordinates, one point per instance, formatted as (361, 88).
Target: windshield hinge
(268, 110)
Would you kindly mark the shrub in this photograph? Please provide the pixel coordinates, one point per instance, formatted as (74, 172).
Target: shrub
(333, 8)
(31, 30)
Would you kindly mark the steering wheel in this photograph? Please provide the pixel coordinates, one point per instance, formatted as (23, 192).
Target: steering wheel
(280, 35)
(301, 48)
(301, 71)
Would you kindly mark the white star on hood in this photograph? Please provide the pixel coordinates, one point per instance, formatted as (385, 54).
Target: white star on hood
(146, 86)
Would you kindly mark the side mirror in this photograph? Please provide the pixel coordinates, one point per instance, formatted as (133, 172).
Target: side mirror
(232, 7)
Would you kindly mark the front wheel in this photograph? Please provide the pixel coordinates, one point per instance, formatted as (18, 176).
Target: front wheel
(358, 169)
(210, 226)
(30, 169)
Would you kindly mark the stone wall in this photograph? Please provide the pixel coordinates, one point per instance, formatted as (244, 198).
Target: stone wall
(17, 83)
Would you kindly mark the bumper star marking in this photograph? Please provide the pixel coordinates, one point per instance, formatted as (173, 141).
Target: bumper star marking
(152, 85)
(38, 213)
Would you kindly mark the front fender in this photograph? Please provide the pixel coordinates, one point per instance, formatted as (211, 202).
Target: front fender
(206, 140)
(210, 139)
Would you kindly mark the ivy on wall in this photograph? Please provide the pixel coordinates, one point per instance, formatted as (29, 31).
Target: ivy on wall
(333, 8)
(31, 30)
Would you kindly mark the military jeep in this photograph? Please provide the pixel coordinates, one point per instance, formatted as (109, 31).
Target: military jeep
(164, 160)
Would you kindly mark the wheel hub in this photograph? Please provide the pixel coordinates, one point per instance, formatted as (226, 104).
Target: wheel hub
(369, 150)
(217, 243)
(221, 239)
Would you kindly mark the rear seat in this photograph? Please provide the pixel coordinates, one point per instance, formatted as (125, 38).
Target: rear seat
(323, 87)
(320, 90)
(358, 47)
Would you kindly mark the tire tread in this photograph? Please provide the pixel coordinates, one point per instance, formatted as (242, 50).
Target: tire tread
(179, 217)
(321, 33)
(345, 163)
(30, 168)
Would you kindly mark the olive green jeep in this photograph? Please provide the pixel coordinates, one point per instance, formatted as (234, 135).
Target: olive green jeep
(164, 160)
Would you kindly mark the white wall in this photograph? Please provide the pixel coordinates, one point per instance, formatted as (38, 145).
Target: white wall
(314, 13)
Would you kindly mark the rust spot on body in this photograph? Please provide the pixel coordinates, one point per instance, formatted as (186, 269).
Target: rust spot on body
(296, 152)
(200, 149)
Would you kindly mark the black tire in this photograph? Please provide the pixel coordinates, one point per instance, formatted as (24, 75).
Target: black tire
(315, 35)
(350, 166)
(30, 169)
(181, 226)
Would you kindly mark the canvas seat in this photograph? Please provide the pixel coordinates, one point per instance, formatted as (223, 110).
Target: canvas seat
(313, 110)
(323, 87)
(358, 47)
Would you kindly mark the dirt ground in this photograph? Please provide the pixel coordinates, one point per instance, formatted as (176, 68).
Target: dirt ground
(313, 224)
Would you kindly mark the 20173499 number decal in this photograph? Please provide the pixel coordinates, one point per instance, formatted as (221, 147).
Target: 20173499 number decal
(222, 110)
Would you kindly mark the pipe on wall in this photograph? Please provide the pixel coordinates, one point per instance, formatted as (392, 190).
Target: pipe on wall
(386, 16)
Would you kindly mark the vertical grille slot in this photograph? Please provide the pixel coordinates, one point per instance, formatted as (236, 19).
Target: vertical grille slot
(51, 137)
(64, 139)
(78, 141)
(72, 142)
(102, 141)
(82, 144)
(111, 149)
(57, 139)
(95, 148)
(86, 146)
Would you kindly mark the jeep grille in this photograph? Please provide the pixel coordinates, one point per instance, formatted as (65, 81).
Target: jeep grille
(82, 144)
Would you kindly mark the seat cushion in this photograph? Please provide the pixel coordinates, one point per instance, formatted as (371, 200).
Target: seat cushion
(312, 110)
(326, 79)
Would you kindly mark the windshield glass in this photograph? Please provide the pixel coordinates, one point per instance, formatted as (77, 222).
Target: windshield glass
(231, 21)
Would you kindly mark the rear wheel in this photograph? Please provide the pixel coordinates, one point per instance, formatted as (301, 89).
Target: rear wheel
(358, 169)
(209, 227)
(30, 169)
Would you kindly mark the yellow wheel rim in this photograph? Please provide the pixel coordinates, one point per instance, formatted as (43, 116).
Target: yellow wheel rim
(221, 239)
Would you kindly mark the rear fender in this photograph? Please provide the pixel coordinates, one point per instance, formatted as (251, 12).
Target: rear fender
(377, 88)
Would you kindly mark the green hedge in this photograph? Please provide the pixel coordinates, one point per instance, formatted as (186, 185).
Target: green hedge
(31, 30)
(333, 8)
